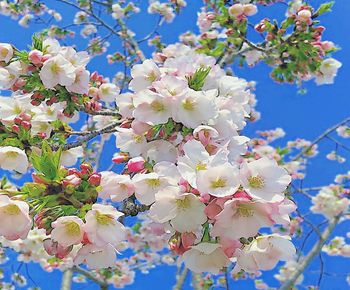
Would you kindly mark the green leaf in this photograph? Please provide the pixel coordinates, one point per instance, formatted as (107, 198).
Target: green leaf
(324, 8)
(37, 42)
(34, 190)
(136, 227)
(196, 81)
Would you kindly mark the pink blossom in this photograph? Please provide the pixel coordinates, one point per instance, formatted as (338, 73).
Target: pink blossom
(15, 220)
(67, 231)
(102, 227)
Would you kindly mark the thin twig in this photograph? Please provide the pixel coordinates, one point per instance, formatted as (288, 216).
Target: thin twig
(302, 265)
(89, 275)
(322, 136)
(109, 129)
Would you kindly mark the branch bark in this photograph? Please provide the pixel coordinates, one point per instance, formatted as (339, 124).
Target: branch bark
(67, 280)
(92, 277)
(288, 285)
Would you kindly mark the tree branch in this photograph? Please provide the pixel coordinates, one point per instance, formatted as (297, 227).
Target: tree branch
(67, 280)
(90, 276)
(109, 129)
(311, 255)
(322, 136)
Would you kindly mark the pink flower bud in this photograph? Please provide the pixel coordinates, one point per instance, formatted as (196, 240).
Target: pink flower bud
(25, 116)
(26, 125)
(15, 128)
(205, 198)
(95, 179)
(71, 180)
(136, 164)
(304, 15)
(36, 57)
(120, 158)
(42, 135)
(86, 168)
(242, 194)
(55, 249)
(18, 120)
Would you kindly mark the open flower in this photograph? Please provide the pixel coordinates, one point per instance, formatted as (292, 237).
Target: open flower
(115, 186)
(264, 253)
(241, 218)
(328, 71)
(195, 108)
(205, 257)
(102, 227)
(96, 257)
(196, 160)
(144, 75)
(108, 92)
(184, 210)
(57, 70)
(219, 181)
(13, 158)
(67, 231)
(15, 220)
(151, 108)
(6, 52)
(263, 179)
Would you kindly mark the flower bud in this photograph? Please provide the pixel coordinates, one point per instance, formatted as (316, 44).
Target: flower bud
(86, 168)
(35, 57)
(26, 125)
(304, 15)
(249, 9)
(95, 179)
(236, 10)
(136, 164)
(71, 180)
(120, 158)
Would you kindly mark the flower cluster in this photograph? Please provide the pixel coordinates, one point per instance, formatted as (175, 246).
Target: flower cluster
(294, 47)
(185, 160)
(331, 201)
(53, 74)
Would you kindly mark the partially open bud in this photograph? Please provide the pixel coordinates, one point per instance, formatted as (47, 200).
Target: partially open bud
(136, 164)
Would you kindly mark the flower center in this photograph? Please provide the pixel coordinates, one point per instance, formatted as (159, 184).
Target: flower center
(55, 69)
(218, 183)
(244, 211)
(152, 76)
(153, 182)
(137, 138)
(12, 209)
(188, 105)
(12, 154)
(157, 106)
(4, 52)
(72, 228)
(104, 219)
(201, 166)
(256, 182)
(183, 203)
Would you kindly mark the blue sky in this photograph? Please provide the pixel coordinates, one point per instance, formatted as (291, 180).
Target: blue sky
(304, 116)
